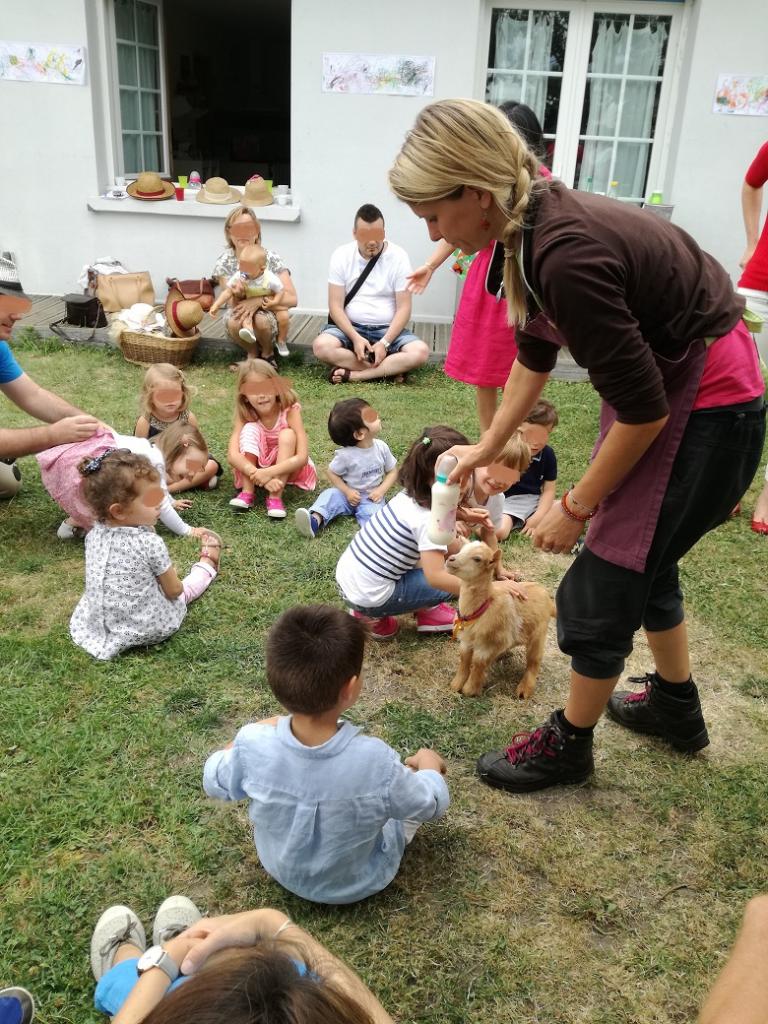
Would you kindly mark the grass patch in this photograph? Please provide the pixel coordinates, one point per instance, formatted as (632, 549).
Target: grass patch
(613, 902)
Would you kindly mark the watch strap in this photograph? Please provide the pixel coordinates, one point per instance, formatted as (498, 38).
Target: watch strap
(156, 956)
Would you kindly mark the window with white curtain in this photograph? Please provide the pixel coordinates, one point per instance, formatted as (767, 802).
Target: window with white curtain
(597, 75)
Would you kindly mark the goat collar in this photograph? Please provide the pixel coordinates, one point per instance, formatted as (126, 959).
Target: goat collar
(461, 621)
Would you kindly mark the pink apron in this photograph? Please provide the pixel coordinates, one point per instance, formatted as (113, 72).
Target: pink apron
(623, 527)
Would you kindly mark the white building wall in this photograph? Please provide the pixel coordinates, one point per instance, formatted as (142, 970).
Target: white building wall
(715, 150)
(54, 154)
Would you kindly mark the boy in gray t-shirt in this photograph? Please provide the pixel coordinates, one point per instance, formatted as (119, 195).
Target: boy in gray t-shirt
(362, 470)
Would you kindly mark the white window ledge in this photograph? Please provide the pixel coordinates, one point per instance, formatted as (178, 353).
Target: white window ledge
(190, 208)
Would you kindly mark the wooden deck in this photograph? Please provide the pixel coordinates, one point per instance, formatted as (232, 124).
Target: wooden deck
(47, 309)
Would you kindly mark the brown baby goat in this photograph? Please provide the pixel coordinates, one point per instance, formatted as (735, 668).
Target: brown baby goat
(503, 621)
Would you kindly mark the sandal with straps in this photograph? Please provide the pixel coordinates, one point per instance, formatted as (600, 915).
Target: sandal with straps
(343, 379)
(211, 549)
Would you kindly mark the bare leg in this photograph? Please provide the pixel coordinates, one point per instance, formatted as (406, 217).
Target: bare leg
(126, 951)
(670, 653)
(330, 350)
(248, 485)
(262, 328)
(414, 354)
(740, 994)
(283, 322)
(286, 449)
(761, 508)
(486, 406)
(233, 328)
(587, 699)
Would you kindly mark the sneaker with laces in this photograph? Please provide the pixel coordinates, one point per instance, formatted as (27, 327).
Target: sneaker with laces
(654, 712)
(16, 1005)
(282, 348)
(548, 756)
(118, 924)
(439, 619)
(275, 507)
(243, 501)
(306, 523)
(384, 628)
(173, 916)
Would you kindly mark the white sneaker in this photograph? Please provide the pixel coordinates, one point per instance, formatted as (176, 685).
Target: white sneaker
(68, 531)
(118, 924)
(248, 336)
(213, 483)
(282, 348)
(306, 523)
(173, 916)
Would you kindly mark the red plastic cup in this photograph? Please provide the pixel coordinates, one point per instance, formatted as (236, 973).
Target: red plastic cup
(179, 193)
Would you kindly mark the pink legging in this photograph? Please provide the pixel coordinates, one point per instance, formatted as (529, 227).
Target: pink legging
(200, 577)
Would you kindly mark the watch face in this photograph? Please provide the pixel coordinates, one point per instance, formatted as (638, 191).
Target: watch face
(150, 958)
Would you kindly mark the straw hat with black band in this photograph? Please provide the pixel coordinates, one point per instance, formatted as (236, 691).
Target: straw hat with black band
(182, 315)
(150, 188)
(218, 191)
(12, 297)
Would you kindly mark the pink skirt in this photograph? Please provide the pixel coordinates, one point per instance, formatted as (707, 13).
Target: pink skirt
(62, 480)
(482, 347)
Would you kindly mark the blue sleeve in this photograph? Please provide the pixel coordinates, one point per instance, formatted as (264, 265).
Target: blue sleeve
(549, 469)
(9, 368)
(421, 796)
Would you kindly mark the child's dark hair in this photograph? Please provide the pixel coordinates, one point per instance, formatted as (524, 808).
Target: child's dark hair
(345, 419)
(258, 985)
(312, 651)
(417, 472)
(521, 116)
(543, 414)
(110, 479)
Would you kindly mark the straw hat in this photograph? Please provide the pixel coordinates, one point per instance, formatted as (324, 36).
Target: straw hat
(219, 192)
(183, 316)
(150, 187)
(11, 293)
(256, 192)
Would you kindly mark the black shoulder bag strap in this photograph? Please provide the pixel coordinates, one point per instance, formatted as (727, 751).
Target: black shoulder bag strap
(359, 282)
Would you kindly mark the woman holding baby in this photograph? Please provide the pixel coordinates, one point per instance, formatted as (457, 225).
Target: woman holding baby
(656, 323)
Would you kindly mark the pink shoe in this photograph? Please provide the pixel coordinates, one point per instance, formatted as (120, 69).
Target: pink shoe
(243, 501)
(275, 507)
(381, 629)
(435, 620)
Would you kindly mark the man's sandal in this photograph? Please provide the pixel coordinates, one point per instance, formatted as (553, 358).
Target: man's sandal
(343, 379)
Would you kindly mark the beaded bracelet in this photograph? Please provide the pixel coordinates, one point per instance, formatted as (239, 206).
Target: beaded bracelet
(572, 515)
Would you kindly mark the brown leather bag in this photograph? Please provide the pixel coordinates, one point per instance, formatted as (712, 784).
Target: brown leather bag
(196, 291)
(120, 291)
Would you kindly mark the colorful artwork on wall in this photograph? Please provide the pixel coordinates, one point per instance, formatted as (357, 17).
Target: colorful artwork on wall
(742, 94)
(42, 62)
(388, 74)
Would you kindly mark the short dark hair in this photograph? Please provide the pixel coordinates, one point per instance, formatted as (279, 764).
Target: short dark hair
(345, 418)
(418, 469)
(543, 414)
(312, 651)
(521, 117)
(368, 213)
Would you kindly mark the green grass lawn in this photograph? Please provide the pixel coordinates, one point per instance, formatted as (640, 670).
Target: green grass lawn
(612, 902)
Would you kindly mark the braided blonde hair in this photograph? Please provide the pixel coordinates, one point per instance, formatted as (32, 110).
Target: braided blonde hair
(464, 143)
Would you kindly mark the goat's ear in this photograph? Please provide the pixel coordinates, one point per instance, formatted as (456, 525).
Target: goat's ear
(496, 557)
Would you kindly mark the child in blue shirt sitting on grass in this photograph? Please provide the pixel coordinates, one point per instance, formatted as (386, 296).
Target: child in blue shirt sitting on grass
(362, 470)
(332, 809)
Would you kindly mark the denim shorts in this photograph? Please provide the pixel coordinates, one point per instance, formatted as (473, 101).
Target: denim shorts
(372, 333)
(412, 593)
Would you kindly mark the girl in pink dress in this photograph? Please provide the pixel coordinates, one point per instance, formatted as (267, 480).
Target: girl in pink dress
(482, 347)
(268, 447)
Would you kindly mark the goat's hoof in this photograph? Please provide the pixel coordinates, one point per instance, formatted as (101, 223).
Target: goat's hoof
(456, 684)
(471, 691)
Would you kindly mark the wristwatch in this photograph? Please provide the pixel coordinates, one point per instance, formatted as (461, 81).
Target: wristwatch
(156, 956)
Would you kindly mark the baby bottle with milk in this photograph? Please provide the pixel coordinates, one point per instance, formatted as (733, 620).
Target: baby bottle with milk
(445, 501)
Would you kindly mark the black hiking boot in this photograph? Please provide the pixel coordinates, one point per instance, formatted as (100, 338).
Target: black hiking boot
(548, 756)
(655, 713)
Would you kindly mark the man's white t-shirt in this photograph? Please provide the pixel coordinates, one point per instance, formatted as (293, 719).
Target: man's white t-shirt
(375, 302)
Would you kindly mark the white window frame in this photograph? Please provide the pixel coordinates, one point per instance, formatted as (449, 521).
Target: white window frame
(574, 78)
(114, 93)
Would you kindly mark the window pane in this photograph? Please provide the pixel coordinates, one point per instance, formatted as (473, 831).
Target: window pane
(648, 46)
(610, 38)
(500, 88)
(594, 161)
(547, 46)
(152, 158)
(129, 110)
(146, 23)
(126, 64)
(638, 112)
(150, 111)
(631, 168)
(600, 115)
(132, 154)
(148, 68)
(551, 106)
(508, 33)
(124, 19)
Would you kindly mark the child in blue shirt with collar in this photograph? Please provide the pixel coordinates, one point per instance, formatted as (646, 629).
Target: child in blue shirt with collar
(332, 809)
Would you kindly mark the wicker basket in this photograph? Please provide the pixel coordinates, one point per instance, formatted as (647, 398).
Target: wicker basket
(145, 349)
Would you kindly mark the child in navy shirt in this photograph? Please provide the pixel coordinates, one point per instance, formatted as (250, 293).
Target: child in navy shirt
(527, 502)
